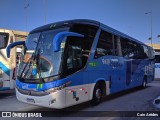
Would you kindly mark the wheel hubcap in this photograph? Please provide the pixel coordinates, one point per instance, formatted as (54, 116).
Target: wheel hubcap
(98, 93)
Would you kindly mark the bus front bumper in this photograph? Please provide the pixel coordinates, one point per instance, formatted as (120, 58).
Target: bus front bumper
(52, 100)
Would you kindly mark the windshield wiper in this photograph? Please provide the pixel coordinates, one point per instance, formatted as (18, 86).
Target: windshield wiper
(28, 62)
(38, 66)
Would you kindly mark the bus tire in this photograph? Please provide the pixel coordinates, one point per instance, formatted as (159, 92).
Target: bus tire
(97, 95)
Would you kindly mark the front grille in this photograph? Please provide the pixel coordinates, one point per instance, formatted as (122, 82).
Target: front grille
(32, 93)
(39, 81)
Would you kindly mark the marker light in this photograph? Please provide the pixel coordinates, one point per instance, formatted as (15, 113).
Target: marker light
(58, 88)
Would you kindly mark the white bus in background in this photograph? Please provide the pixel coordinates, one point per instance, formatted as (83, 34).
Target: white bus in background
(18, 52)
(157, 65)
(8, 65)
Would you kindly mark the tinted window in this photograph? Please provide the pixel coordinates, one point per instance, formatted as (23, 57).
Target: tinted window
(145, 52)
(151, 53)
(157, 58)
(105, 45)
(74, 56)
(3, 40)
(78, 48)
(142, 52)
(117, 46)
(130, 49)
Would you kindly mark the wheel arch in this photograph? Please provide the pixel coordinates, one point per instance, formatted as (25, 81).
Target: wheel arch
(100, 81)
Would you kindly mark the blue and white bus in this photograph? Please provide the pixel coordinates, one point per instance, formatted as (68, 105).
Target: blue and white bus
(70, 62)
(157, 65)
(8, 65)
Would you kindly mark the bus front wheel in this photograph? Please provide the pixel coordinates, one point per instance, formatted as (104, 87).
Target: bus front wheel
(97, 95)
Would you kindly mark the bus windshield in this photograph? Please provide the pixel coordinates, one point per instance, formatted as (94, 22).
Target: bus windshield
(38, 60)
(3, 40)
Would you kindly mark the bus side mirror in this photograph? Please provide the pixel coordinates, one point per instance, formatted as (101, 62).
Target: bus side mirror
(13, 45)
(59, 37)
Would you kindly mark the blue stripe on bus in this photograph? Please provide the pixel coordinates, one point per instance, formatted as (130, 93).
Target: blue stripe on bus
(36, 87)
(44, 86)
(5, 69)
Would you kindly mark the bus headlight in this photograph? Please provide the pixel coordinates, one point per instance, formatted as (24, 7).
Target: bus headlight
(52, 90)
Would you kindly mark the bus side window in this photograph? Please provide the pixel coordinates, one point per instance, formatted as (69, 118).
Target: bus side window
(74, 56)
(78, 48)
(145, 52)
(105, 45)
(141, 52)
(117, 46)
(132, 50)
(157, 58)
(124, 47)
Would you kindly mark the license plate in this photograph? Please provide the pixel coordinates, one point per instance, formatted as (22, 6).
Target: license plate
(30, 100)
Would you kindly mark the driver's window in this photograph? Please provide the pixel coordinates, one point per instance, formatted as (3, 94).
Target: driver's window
(74, 55)
(77, 49)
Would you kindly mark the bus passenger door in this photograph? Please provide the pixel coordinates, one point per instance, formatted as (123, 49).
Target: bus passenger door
(75, 72)
(118, 67)
(118, 74)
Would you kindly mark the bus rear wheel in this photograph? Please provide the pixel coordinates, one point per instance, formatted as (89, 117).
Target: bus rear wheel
(97, 95)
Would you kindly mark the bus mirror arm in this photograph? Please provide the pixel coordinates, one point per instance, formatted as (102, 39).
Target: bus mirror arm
(59, 37)
(10, 46)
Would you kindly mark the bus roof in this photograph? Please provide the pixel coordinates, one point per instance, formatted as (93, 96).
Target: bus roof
(85, 21)
(65, 23)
